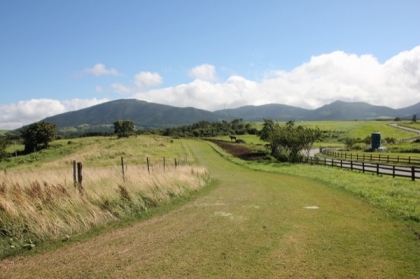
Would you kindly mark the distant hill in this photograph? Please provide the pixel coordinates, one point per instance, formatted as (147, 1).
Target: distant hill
(143, 114)
(151, 115)
(408, 112)
(258, 113)
(340, 110)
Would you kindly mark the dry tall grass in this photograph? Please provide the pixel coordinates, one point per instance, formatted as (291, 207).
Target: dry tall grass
(35, 206)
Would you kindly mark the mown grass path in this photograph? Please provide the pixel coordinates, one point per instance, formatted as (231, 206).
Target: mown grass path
(252, 225)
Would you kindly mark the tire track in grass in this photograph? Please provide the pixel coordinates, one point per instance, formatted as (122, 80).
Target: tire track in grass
(252, 225)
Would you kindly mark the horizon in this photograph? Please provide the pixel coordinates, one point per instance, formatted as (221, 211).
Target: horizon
(2, 129)
(212, 55)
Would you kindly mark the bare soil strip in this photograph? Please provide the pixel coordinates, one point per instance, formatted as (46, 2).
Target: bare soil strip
(253, 225)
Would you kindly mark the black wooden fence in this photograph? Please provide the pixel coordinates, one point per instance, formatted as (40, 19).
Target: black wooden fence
(374, 157)
(380, 169)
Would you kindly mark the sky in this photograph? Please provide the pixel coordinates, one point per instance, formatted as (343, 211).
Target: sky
(58, 56)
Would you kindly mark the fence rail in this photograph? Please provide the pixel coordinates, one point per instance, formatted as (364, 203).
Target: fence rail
(374, 157)
(380, 169)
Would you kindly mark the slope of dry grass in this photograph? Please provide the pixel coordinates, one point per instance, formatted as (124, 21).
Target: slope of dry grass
(42, 203)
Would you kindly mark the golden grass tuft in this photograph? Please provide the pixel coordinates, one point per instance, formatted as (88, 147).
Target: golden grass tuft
(35, 206)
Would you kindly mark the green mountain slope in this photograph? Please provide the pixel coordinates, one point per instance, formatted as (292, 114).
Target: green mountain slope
(151, 115)
(276, 112)
(143, 114)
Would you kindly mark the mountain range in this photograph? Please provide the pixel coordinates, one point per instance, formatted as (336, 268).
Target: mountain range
(152, 115)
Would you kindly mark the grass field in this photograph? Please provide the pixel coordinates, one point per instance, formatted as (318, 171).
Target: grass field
(356, 129)
(253, 224)
(39, 202)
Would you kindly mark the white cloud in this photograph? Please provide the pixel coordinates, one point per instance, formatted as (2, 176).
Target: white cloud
(121, 88)
(26, 112)
(203, 72)
(322, 80)
(100, 70)
(98, 88)
(147, 79)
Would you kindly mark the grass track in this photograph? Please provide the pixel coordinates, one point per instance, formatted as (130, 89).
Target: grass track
(253, 225)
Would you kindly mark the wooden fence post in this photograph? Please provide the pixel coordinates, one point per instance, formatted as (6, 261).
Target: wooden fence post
(80, 176)
(393, 171)
(363, 167)
(148, 166)
(377, 169)
(413, 174)
(74, 174)
(164, 164)
(122, 168)
(175, 163)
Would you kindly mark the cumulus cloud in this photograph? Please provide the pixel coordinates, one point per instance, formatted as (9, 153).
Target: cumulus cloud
(147, 79)
(203, 72)
(26, 112)
(100, 70)
(323, 79)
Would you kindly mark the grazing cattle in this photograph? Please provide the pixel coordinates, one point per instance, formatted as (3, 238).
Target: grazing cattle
(232, 138)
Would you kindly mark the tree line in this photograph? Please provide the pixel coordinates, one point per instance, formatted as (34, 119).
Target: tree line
(286, 141)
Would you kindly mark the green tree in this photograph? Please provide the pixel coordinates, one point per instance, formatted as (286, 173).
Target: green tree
(349, 142)
(38, 135)
(123, 128)
(267, 130)
(309, 136)
(3, 146)
(367, 140)
(288, 141)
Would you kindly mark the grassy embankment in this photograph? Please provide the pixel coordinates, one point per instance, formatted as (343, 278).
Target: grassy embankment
(254, 224)
(38, 200)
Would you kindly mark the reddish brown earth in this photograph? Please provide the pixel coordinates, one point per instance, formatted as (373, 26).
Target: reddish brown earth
(239, 150)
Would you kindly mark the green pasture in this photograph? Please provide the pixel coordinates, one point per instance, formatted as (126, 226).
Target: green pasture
(410, 124)
(102, 151)
(360, 129)
(259, 221)
(357, 129)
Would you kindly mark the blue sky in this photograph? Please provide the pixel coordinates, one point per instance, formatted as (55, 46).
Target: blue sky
(57, 56)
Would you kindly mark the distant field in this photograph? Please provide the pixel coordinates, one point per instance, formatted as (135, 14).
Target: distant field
(101, 151)
(410, 124)
(357, 129)
(2, 132)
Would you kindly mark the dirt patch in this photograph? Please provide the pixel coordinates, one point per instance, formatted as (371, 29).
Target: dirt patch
(239, 150)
